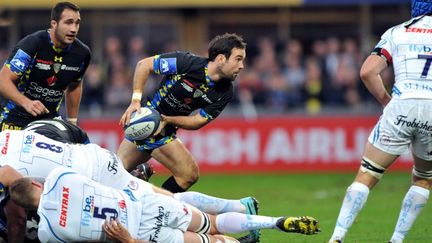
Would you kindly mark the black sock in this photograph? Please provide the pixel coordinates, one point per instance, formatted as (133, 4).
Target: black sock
(172, 186)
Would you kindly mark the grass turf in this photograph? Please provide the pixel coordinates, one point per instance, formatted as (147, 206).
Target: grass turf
(320, 196)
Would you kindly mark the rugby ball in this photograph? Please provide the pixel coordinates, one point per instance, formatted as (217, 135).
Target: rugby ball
(142, 125)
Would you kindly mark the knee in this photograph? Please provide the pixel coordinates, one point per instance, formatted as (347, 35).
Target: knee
(422, 182)
(190, 176)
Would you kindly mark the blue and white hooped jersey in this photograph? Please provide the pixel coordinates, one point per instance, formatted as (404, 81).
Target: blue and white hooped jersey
(74, 208)
(409, 47)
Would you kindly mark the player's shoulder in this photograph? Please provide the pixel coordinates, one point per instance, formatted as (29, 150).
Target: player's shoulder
(40, 36)
(80, 47)
(56, 176)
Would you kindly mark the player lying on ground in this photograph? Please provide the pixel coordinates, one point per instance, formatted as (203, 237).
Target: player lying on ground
(34, 155)
(73, 207)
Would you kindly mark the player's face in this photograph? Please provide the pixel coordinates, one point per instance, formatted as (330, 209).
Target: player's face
(66, 29)
(234, 64)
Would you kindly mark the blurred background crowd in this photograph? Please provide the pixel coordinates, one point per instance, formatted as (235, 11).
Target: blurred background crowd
(300, 59)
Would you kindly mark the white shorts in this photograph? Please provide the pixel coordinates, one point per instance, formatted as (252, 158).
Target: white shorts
(404, 123)
(164, 219)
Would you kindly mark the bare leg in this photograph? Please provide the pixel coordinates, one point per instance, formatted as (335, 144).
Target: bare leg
(130, 155)
(177, 158)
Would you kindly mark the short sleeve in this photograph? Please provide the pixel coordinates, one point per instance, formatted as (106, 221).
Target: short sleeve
(22, 55)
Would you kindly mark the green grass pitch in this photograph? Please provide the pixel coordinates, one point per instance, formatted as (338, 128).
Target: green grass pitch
(320, 196)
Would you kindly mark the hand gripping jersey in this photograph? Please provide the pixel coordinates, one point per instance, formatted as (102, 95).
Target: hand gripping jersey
(409, 47)
(44, 72)
(74, 207)
(35, 155)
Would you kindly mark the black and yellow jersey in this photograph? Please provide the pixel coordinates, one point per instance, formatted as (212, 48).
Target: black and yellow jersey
(187, 87)
(44, 73)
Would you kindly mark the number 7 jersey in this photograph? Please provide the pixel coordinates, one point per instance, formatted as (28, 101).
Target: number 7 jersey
(409, 47)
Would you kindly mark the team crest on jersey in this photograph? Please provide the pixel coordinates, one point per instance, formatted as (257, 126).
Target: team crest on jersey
(56, 67)
(198, 93)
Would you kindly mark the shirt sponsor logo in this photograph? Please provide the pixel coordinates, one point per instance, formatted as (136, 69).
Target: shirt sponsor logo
(422, 126)
(64, 207)
(123, 212)
(175, 103)
(420, 48)
(43, 93)
(5, 147)
(418, 30)
(130, 194)
(88, 211)
(43, 66)
(67, 68)
(112, 166)
(51, 80)
(207, 99)
(44, 62)
(28, 143)
(160, 220)
(187, 87)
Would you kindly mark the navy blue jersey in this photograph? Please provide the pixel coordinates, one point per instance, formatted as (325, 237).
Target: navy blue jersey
(44, 73)
(187, 87)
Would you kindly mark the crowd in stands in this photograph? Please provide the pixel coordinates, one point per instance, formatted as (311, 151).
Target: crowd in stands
(278, 77)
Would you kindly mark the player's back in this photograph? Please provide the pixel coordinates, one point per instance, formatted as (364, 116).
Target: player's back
(73, 208)
(33, 154)
(410, 47)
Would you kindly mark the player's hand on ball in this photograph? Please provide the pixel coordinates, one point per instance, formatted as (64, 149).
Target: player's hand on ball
(162, 124)
(134, 106)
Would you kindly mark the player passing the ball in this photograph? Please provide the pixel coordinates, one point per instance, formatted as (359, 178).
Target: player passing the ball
(405, 120)
(190, 83)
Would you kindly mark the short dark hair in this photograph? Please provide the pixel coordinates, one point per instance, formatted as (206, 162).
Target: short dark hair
(20, 192)
(223, 44)
(58, 9)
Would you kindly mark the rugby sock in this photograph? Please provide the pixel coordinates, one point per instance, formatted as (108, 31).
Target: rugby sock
(355, 198)
(209, 204)
(237, 222)
(171, 185)
(412, 204)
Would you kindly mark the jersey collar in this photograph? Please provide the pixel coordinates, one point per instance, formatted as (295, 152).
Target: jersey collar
(57, 49)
